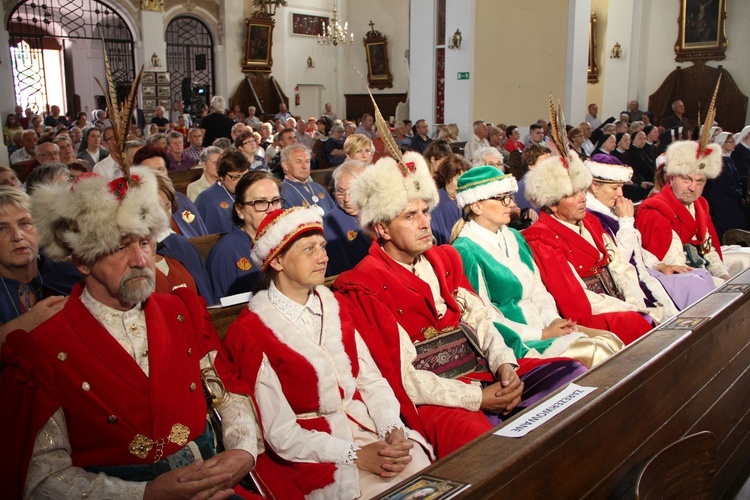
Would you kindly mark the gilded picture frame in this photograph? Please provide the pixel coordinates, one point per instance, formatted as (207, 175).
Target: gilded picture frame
(701, 34)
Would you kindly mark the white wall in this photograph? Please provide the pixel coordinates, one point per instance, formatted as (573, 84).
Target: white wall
(659, 32)
(422, 61)
(459, 94)
(89, 63)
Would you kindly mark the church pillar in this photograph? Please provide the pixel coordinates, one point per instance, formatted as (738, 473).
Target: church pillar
(459, 94)
(229, 60)
(577, 68)
(621, 76)
(7, 91)
(422, 62)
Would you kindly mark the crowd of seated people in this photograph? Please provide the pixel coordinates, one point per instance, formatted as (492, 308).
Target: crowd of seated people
(531, 257)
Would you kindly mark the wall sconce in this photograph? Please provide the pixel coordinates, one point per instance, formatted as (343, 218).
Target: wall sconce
(456, 41)
(616, 51)
(310, 62)
(155, 62)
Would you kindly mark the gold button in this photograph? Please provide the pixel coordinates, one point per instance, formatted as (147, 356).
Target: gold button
(62, 355)
(133, 327)
(85, 386)
(580, 267)
(145, 354)
(180, 318)
(190, 351)
(192, 387)
(401, 311)
(111, 420)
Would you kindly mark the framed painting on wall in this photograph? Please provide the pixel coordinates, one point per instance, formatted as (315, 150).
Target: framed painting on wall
(258, 44)
(305, 24)
(701, 32)
(378, 70)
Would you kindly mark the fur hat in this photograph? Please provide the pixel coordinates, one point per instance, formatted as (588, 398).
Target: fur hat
(385, 188)
(90, 218)
(683, 158)
(278, 229)
(481, 183)
(551, 180)
(609, 173)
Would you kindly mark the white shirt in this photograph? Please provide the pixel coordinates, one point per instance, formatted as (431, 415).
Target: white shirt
(108, 169)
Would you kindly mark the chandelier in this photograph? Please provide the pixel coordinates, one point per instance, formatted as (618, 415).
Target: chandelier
(334, 34)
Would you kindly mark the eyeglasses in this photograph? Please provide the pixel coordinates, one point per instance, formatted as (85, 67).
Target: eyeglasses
(263, 205)
(506, 199)
(496, 164)
(250, 141)
(236, 177)
(105, 139)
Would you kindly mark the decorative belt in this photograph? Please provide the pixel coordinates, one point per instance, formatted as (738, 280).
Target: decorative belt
(201, 447)
(452, 353)
(141, 445)
(603, 283)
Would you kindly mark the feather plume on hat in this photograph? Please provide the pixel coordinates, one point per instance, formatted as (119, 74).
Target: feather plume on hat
(556, 177)
(696, 158)
(120, 120)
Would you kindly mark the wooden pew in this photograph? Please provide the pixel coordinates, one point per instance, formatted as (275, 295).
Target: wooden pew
(204, 244)
(322, 176)
(689, 375)
(183, 178)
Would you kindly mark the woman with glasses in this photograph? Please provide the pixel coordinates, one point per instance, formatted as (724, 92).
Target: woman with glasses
(724, 193)
(228, 263)
(499, 265)
(247, 145)
(215, 203)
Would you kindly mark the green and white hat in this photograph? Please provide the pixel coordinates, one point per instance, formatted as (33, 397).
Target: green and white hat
(482, 183)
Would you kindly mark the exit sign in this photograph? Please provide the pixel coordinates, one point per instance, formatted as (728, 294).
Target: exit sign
(463, 75)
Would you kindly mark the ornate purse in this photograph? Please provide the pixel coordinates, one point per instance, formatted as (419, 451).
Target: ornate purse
(450, 353)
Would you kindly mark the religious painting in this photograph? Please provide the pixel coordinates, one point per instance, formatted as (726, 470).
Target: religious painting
(258, 43)
(148, 77)
(149, 90)
(162, 77)
(304, 24)
(593, 72)
(376, 49)
(164, 91)
(702, 30)
(426, 487)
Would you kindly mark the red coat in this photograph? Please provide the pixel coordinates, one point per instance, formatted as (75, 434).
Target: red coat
(47, 369)
(381, 295)
(663, 213)
(554, 246)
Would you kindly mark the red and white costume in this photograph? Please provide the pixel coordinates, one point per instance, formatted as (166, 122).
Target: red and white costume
(331, 387)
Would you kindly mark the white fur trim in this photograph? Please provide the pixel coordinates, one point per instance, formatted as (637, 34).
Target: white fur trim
(332, 407)
(549, 181)
(89, 221)
(280, 229)
(607, 172)
(682, 159)
(487, 190)
(382, 192)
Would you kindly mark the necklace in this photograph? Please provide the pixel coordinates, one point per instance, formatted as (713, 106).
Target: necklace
(228, 193)
(26, 291)
(308, 190)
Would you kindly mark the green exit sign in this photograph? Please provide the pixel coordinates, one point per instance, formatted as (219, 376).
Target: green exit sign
(463, 75)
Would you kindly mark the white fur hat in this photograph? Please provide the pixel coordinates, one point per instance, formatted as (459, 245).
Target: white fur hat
(550, 180)
(683, 158)
(482, 183)
(384, 190)
(278, 229)
(90, 218)
(605, 172)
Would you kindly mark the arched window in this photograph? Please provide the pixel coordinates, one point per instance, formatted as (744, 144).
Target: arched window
(190, 60)
(45, 40)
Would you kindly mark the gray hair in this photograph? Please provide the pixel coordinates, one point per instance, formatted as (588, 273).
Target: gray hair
(218, 104)
(154, 138)
(45, 174)
(174, 135)
(481, 154)
(349, 167)
(337, 128)
(14, 196)
(138, 143)
(286, 153)
(210, 150)
(222, 143)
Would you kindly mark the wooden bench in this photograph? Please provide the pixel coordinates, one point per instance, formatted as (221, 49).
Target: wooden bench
(322, 176)
(183, 178)
(204, 244)
(689, 375)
